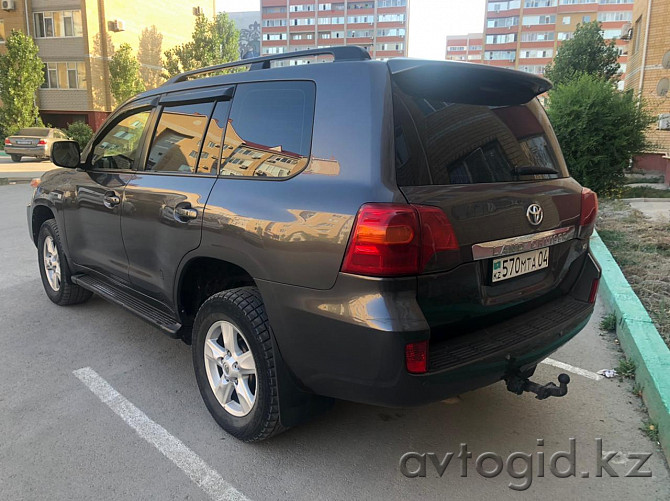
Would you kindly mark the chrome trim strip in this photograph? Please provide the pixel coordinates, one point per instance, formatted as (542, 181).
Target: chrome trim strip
(514, 245)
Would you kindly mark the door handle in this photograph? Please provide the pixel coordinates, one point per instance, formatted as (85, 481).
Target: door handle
(111, 200)
(184, 214)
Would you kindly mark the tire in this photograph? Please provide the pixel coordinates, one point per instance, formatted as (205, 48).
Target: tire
(15, 158)
(241, 314)
(57, 279)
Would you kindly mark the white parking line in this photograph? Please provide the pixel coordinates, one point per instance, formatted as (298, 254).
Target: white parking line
(574, 370)
(172, 448)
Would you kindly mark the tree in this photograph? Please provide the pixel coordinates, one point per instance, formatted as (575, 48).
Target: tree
(213, 42)
(21, 74)
(587, 52)
(124, 72)
(149, 55)
(599, 128)
(80, 132)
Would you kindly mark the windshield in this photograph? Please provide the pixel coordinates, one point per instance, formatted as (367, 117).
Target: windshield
(33, 131)
(439, 142)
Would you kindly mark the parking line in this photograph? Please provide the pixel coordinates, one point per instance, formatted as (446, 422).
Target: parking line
(171, 447)
(574, 370)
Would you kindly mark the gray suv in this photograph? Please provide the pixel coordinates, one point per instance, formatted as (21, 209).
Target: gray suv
(392, 233)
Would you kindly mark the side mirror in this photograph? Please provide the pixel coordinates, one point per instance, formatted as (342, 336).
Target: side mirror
(66, 154)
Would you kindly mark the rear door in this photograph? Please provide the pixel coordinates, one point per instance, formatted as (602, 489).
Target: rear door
(163, 204)
(475, 143)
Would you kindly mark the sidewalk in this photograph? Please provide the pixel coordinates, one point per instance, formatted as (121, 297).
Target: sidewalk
(24, 170)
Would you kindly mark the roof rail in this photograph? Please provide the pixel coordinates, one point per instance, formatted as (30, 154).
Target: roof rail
(340, 53)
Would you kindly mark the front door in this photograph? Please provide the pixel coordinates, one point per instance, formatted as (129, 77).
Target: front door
(163, 205)
(93, 201)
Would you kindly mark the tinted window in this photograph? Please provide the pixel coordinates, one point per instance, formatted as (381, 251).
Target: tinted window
(178, 138)
(119, 148)
(211, 146)
(33, 131)
(269, 132)
(450, 143)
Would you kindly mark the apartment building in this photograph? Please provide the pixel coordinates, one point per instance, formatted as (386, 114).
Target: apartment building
(526, 34)
(292, 25)
(465, 47)
(649, 74)
(76, 39)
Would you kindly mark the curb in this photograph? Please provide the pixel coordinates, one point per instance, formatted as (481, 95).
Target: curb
(645, 199)
(639, 339)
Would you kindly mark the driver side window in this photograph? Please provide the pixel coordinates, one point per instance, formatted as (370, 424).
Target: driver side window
(119, 148)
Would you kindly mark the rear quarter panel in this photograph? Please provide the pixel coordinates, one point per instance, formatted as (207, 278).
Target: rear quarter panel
(295, 231)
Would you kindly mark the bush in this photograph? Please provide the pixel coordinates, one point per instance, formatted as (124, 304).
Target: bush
(80, 132)
(600, 129)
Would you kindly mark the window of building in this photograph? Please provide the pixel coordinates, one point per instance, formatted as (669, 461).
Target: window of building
(390, 32)
(537, 36)
(586, 19)
(611, 34)
(361, 19)
(500, 55)
(536, 53)
(637, 32)
(392, 3)
(608, 17)
(274, 23)
(361, 5)
(565, 35)
(325, 6)
(302, 36)
(64, 75)
(576, 2)
(502, 22)
(529, 4)
(273, 121)
(274, 36)
(176, 142)
(360, 33)
(274, 50)
(536, 69)
(115, 151)
(506, 5)
(535, 20)
(391, 18)
(498, 39)
(305, 21)
(604, 2)
(58, 24)
(301, 8)
(456, 48)
(391, 46)
(274, 10)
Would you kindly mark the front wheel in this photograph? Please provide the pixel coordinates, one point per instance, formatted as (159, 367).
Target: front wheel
(234, 364)
(54, 268)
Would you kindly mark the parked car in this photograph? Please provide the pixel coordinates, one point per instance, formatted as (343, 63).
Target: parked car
(392, 233)
(33, 142)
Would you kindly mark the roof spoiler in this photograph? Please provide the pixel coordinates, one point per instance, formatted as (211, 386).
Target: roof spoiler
(466, 83)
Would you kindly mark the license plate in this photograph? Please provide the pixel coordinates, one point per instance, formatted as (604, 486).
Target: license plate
(23, 142)
(508, 267)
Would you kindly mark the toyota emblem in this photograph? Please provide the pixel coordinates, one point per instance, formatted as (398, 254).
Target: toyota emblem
(535, 214)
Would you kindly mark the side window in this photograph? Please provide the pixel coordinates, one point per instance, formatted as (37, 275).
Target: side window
(178, 138)
(119, 148)
(210, 154)
(269, 132)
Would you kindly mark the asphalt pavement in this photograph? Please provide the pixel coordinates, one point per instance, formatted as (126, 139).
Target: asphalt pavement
(147, 434)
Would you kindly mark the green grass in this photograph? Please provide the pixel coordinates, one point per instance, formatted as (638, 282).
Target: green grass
(608, 323)
(639, 179)
(626, 368)
(644, 192)
(650, 429)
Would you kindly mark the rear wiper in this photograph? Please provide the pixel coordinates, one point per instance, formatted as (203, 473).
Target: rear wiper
(531, 170)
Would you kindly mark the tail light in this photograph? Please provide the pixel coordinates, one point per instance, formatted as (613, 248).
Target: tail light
(7, 141)
(587, 219)
(416, 357)
(42, 142)
(594, 290)
(395, 240)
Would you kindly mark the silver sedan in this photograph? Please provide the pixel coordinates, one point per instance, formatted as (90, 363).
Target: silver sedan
(33, 142)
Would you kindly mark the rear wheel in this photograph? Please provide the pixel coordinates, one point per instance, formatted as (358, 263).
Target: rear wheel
(234, 364)
(15, 158)
(54, 269)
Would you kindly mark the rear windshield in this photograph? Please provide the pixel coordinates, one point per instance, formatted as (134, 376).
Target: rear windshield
(33, 131)
(439, 142)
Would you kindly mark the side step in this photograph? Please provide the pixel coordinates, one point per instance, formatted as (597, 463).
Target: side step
(140, 308)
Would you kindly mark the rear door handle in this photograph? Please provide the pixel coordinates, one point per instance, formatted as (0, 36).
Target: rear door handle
(184, 214)
(111, 200)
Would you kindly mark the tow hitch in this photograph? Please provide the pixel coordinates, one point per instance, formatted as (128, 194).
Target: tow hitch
(517, 383)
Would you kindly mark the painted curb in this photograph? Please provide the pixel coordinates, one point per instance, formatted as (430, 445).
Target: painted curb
(639, 339)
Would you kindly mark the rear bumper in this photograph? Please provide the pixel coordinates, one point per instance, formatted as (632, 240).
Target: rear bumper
(28, 151)
(348, 342)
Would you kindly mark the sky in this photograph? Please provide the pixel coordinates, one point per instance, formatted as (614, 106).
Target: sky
(430, 22)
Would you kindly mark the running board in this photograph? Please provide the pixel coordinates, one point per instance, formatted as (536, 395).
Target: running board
(116, 295)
